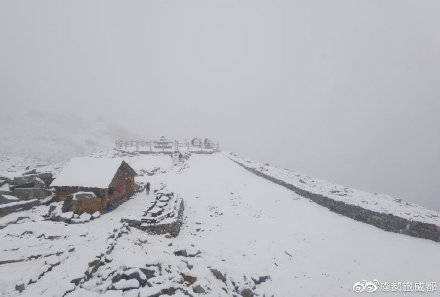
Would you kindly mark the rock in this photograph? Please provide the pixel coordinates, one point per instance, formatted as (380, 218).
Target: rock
(199, 289)
(261, 279)
(38, 183)
(247, 293)
(51, 210)
(7, 199)
(218, 275)
(67, 215)
(188, 279)
(20, 287)
(8, 208)
(31, 193)
(47, 177)
(184, 253)
(23, 180)
(96, 215)
(124, 284)
(33, 171)
(85, 217)
(67, 205)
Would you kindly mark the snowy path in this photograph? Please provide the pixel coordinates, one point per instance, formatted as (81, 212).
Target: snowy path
(266, 229)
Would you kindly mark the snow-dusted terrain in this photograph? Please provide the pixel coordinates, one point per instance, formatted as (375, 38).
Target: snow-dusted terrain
(242, 234)
(375, 202)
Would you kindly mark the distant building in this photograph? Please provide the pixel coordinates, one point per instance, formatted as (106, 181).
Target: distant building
(163, 144)
(196, 142)
(100, 181)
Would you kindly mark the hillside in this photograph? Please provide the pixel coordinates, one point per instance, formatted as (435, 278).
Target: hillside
(55, 137)
(241, 235)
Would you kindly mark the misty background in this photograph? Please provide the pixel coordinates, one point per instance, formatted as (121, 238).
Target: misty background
(346, 91)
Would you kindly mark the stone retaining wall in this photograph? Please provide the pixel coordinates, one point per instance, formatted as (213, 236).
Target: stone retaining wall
(172, 228)
(5, 209)
(387, 222)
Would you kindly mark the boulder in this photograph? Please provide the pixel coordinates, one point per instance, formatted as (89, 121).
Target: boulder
(32, 181)
(8, 208)
(188, 279)
(23, 180)
(38, 183)
(33, 171)
(7, 199)
(31, 193)
(247, 293)
(20, 287)
(218, 275)
(46, 177)
(199, 289)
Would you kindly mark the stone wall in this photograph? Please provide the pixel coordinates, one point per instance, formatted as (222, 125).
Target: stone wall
(172, 228)
(387, 222)
(13, 207)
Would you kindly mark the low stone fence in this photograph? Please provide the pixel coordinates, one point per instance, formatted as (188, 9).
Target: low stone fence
(6, 209)
(172, 228)
(387, 222)
(164, 216)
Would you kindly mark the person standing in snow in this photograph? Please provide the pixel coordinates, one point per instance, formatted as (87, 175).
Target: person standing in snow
(147, 188)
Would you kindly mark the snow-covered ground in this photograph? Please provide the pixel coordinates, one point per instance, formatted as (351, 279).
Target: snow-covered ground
(376, 202)
(238, 229)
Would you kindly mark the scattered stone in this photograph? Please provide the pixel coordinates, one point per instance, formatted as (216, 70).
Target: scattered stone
(23, 180)
(188, 279)
(247, 293)
(261, 279)
(85, 217)
(33, 171)
(47, 177)
(20, 287)
(96, 215)
(184, 253)
(199, 289)
(124, 284)
(218, 275)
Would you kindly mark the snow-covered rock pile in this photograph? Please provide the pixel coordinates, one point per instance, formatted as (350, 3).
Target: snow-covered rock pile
(155, 267)
(383, 211)
(55, 213)
(24, 191)
(164, 214)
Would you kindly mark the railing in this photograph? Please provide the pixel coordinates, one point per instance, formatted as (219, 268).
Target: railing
(163, 145)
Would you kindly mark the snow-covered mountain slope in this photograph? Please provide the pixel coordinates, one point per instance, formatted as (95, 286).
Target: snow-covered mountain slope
(241, 232)
(49, 136)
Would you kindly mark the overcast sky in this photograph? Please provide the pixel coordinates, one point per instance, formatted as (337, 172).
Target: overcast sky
(347, 91)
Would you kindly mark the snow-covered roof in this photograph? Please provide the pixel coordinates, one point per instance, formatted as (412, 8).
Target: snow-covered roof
(87, 172)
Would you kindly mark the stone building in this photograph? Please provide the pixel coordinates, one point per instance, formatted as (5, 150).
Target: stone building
(92, 184)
